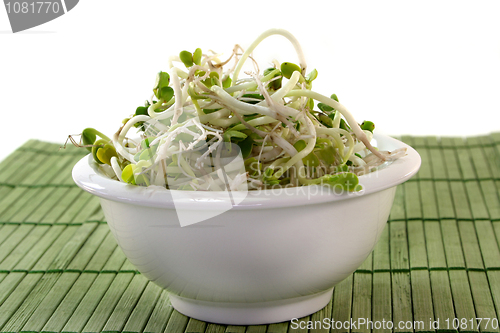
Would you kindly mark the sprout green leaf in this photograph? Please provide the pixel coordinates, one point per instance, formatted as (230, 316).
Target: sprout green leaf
(368, 126)
(186, 58)
(347, 181)
(197, 56)
(98, 145)
(311, 76)
(162, 89)
(88, 137)
(287, 68)
(246, 146)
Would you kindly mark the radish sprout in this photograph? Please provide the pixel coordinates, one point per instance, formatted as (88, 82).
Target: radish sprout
(203, 118)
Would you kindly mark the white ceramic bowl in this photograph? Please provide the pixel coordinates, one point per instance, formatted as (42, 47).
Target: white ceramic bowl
(274, 256)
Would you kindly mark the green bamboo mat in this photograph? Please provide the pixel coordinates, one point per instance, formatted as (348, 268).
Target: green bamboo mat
(438, 258)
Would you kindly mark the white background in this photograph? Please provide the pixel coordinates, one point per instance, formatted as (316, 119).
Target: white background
(412, 67)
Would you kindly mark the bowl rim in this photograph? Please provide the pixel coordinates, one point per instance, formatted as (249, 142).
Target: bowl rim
(86, 175)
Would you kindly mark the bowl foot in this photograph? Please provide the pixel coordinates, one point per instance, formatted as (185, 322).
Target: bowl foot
(251, 313)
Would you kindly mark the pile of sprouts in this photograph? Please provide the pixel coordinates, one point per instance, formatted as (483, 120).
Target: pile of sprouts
(207, 128)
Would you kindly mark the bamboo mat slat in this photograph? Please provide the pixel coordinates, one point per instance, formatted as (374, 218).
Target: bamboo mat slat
(437, 261)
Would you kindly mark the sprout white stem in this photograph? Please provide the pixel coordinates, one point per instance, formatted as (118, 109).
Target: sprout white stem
(264, 35)
(342, 109)
(116, 168)
(177, 94)
(241, 107)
